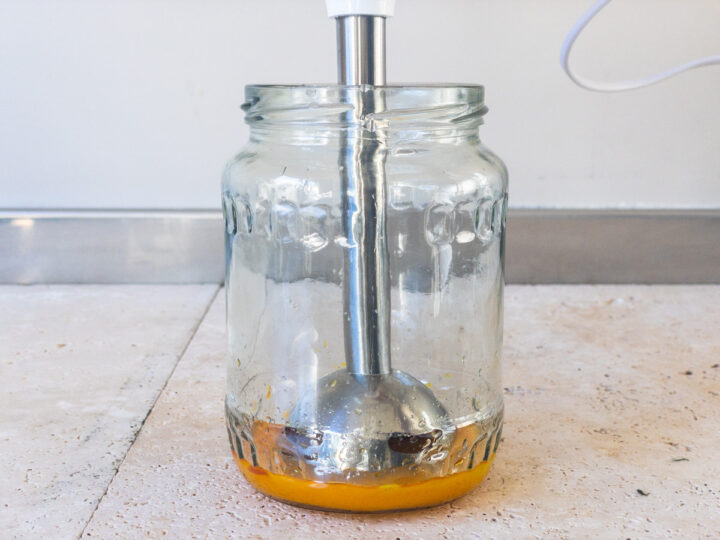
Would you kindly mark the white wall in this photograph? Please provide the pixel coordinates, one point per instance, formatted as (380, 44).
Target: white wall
(134, 103)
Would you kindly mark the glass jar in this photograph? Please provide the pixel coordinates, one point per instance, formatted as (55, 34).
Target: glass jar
(442, 202)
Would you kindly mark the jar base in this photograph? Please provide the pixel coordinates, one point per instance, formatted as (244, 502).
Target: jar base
(340, 497)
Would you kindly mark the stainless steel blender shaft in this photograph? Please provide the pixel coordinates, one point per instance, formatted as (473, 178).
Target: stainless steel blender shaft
(366, 281)
(361, 50)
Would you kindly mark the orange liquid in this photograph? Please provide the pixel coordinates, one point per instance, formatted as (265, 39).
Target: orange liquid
(406, 493)
(352, 498)
(272, 473)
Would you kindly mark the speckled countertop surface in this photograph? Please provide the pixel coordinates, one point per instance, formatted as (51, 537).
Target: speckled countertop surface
(111, 421)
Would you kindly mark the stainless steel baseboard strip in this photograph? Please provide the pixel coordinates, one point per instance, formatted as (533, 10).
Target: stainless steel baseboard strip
(543, 246)
(111, 247)
(613, 246)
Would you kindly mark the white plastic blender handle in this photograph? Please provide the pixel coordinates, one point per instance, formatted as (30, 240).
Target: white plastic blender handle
(624, 85)
(378, 8)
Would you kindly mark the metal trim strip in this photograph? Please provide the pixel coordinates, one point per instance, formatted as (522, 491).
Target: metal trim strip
(177, 246)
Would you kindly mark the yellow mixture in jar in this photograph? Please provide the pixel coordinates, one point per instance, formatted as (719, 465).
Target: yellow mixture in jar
(356, 498)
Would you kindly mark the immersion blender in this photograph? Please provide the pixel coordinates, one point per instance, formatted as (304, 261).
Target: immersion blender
(369, 421)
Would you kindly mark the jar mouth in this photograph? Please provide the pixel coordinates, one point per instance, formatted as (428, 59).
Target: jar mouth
(409, 86)
(390, 107)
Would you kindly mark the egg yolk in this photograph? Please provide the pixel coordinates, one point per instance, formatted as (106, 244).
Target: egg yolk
(358, 498)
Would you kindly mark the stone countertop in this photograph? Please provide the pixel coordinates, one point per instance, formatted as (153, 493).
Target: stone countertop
(612, 425)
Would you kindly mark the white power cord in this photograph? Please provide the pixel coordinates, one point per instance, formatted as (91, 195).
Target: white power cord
(625, 85)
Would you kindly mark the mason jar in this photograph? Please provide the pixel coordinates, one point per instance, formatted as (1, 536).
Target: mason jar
(443, 202)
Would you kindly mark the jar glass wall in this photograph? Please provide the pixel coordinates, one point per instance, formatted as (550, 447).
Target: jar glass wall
(444, 205)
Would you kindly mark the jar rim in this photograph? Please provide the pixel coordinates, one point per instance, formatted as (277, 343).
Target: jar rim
(407, 86)
(396, 106)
